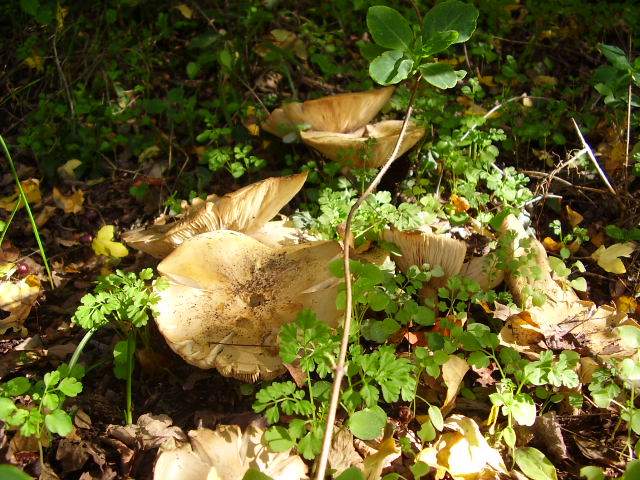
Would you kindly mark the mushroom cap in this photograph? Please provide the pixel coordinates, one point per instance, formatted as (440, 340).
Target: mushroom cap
(341, 113)
(418, 247)
(229, 295)
(245, 210)
(371, 148)
(483, 270)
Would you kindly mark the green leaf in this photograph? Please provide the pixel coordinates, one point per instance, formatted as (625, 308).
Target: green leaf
(70, 387)
(7, 407)
(534, 464)
(440, 42)
(435, 415)
(616, 56)
(351, 474)
(523, 409)
(193, 69)
(253, 474)
(440, 75)
(420, 469)
(278, 439)
(51, 379)
(427, 432)
(50, 401)
(450, 15)
(580, 284)
(15, 387)
(629, 335)
(632, 472)
(592, 473)
(59, 422)
(368, 424)
(9, 472)
(390, 67)
(509, 436)
(389, 29)
(32, 423)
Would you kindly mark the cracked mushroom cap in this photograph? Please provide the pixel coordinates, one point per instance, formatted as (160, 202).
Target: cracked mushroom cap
(341, 113)
(229, 295)
(419, 247)
(371, 147)
(246, 210)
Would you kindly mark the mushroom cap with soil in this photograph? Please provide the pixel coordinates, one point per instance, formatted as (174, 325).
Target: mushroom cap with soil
(246, 210)
(229, 294)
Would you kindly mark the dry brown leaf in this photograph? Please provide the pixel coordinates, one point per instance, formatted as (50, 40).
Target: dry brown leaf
(343, 454)
(574, 217)
(460, 204)
(150, 431)
(31, 189)
(226, 453)
(70, 203)
(229, 295)
(246, 210)
(45, 215)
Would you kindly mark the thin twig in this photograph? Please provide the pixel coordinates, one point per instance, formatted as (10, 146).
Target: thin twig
(63, 79)
(340, 367)
(593, 158)
(626, 155)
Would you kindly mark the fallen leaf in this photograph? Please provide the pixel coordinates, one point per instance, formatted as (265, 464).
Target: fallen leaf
(547, 432)
(574, 217)
(545, 80)
(67, 171)
(226, 453)
(608, 258)
(387, 452)
(626, 305)
(31, 189)
(453, 371)
(150, 431)
(343, 455)
(35, 62)
(461, 204)
(71, 203)
(103, 243)
(552, 245)
(185, 11)
(17, 298)
(462, 452)
(45, 215)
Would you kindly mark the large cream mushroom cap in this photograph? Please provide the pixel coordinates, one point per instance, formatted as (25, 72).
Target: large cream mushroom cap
(371, 147)
(340, 113)
(229, 295)
(246, 210)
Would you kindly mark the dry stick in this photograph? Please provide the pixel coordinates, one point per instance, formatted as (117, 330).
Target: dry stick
(340, 367)
(593, 158)
(626, 156)
(63, 79)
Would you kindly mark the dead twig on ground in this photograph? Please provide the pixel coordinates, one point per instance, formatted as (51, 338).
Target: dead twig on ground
(593, 159)
(340, 367)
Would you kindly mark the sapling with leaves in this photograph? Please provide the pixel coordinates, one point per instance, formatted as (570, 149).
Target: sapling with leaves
(123, 301)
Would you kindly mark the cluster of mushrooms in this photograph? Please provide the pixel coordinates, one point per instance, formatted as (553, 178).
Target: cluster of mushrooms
(236, 275)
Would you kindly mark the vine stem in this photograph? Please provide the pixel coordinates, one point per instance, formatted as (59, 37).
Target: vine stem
(76, 354)
(340, 367)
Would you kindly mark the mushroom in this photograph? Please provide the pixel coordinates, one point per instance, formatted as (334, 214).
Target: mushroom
(341, 113)
(369, 147)
(246, 210)
(338, 127)
(226, 453)
(483, 270)
(229, 294)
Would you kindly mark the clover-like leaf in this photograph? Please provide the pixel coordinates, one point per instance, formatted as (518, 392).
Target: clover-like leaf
(59, 422)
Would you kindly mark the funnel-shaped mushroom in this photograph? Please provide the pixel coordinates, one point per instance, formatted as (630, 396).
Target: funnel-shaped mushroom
(483, 270)
(226, 454)
(229, 295)
(368, 147)
(246, 210)
(341, 113)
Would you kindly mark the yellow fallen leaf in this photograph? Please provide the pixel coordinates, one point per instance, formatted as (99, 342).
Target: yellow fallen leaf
(44, 215)
(185, 10)
(626, 304)
(551, 245)
(31, 189)
(461, 204)
(67, 171)
(387, 452)
(103, 244)
(17, 298)
(545, 80)
(608, 258)
(253, 129)
(70, 204)
(453, 371)
(574, 217)
(35, 62)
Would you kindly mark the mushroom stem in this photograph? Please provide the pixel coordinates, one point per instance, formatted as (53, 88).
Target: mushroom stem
(340, 366)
